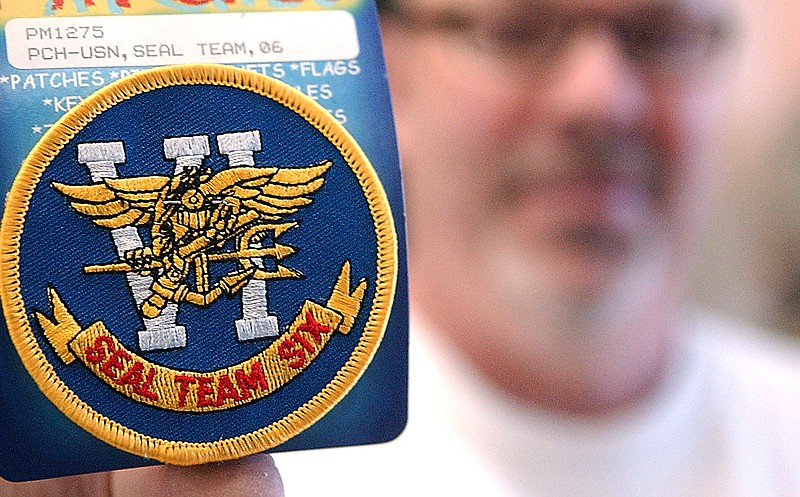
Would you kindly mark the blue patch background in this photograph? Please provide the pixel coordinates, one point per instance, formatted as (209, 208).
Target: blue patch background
(40, 442)
(56, 243)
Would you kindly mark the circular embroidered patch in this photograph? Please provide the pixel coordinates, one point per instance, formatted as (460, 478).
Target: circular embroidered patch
(198, 262)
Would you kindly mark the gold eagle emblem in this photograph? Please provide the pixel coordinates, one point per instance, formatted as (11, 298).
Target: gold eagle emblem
(192, 216)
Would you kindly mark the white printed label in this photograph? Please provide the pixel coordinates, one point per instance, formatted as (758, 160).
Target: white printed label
(235, 38)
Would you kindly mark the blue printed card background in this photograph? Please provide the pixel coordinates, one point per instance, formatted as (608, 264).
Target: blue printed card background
(39, 441)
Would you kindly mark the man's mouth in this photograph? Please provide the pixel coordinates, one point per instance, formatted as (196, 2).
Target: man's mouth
(596, 215)
(598, 239)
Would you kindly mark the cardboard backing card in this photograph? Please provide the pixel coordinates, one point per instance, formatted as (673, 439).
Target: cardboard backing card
(203, 245)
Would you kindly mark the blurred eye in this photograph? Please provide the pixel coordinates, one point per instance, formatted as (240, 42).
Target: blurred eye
(451, 21)
(669, 40)
(650, 39)
(530, 36)
(518, 38)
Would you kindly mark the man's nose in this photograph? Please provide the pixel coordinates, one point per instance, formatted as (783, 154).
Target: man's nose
(596, 84)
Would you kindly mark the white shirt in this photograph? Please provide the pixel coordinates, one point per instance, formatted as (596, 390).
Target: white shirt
(725, 422)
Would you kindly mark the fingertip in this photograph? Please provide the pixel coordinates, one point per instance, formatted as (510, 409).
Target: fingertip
(254, 476)
(94, 485)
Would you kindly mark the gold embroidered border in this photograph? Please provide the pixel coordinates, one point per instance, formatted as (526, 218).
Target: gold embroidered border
(17, 204)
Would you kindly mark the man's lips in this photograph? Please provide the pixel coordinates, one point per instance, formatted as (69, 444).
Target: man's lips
(586, 212)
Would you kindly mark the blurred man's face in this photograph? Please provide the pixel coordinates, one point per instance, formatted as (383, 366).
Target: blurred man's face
(553, 153)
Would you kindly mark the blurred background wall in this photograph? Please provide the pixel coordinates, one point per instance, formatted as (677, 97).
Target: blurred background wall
(750, 263)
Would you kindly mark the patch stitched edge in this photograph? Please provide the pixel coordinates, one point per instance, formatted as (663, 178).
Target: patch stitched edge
(43, 373)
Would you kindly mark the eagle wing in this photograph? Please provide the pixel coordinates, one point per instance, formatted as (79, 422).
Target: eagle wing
(116, 202)
(272, 192)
